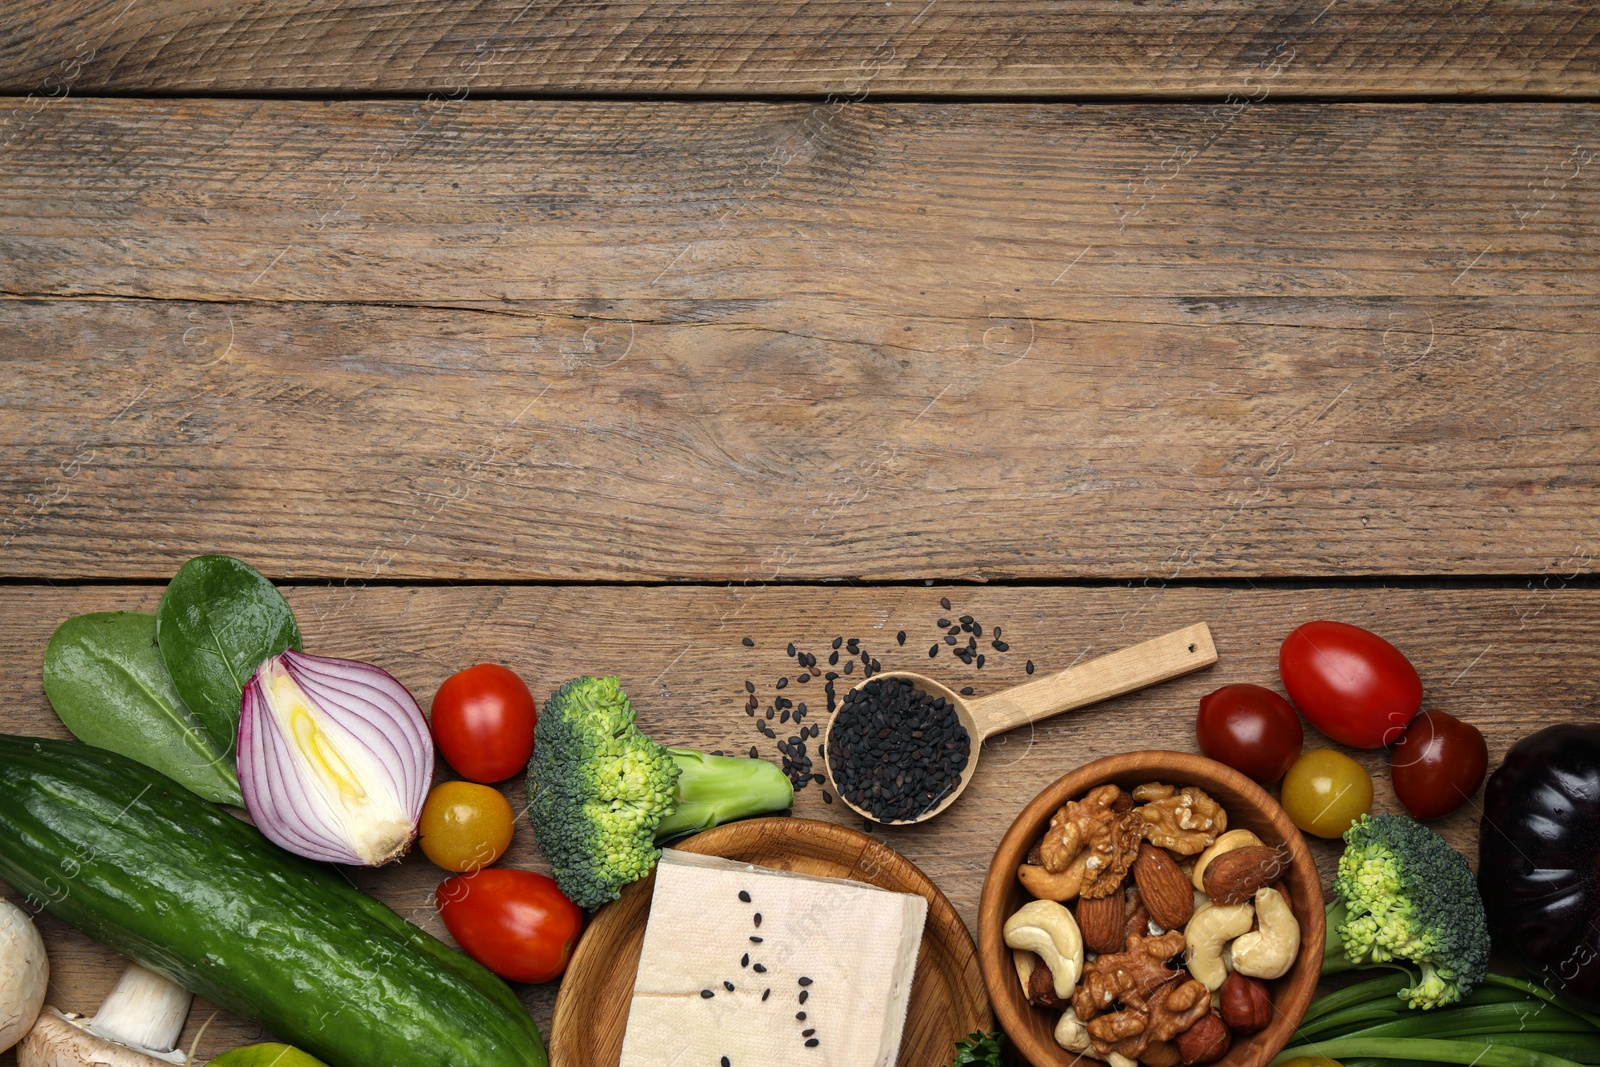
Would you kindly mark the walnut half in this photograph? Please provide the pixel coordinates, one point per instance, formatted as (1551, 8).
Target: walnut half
(1186, 822)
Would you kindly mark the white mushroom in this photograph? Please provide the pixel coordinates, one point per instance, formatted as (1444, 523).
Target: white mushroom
(137, 1026)
(24, 973)
(1270, 951)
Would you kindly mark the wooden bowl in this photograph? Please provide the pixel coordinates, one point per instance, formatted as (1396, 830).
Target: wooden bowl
(1248, 806)
(947, 991)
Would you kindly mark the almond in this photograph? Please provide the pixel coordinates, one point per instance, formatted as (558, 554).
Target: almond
(1234, 877)
(1100, 921)
(1163, 888)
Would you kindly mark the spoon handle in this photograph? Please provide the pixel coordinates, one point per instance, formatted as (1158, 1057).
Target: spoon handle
(1156, 660)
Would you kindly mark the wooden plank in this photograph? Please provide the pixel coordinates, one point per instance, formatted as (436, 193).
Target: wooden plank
(1508, 660)
(1143, 439)
(848, 47)
(670, 211)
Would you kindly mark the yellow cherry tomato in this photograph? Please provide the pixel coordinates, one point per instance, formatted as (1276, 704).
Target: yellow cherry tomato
(1325, 791)
(465, 826)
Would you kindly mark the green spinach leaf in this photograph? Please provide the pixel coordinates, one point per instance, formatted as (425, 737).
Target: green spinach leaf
(104, 676)
(218, 619)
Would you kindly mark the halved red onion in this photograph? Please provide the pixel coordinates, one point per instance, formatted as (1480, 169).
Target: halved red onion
(335, 759)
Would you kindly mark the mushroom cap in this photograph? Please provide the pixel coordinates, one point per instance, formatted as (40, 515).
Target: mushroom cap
(56, 1041)
(24, 974)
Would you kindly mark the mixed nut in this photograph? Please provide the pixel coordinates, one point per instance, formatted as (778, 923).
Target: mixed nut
(1175, 925)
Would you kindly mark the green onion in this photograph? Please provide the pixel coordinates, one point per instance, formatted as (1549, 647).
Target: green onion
(1388, 985)
(1466, 1053)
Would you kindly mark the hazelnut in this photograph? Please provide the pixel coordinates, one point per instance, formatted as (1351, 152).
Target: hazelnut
(1207, 1041)
(1246, 1005)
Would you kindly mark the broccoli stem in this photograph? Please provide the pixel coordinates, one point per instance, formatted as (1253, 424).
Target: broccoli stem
(718, 789)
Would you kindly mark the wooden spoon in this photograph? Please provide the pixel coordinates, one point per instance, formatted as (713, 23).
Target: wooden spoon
(1156, 660)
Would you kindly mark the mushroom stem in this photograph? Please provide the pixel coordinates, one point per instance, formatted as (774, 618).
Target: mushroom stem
(144, 1011)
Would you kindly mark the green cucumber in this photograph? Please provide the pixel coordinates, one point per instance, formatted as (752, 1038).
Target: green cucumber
(138, 862)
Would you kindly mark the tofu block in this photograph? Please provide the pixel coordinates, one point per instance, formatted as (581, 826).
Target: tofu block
(842, 953)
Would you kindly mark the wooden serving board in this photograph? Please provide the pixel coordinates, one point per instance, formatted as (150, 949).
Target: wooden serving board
(948, 1000)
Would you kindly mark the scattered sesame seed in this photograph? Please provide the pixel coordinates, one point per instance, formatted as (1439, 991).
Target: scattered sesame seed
(748, 642)
(706, 994)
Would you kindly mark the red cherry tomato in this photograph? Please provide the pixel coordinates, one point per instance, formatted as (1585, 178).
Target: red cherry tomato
(1438, 764)
(1350, 683)
(483, 719)
(1251, 729)
(516, 923)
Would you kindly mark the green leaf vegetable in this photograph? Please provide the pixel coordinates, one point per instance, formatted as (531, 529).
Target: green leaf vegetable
(1405, 896)
(105, 677)
(602, 793)
(983, 1050)
(1505, 1022)
(218, 619)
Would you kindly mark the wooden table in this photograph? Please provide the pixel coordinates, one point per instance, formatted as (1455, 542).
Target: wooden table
(597, 337)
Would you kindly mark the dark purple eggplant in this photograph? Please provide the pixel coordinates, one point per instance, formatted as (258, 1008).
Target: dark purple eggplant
(1539, 857)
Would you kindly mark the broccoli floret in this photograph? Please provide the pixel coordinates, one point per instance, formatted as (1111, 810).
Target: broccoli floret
(601, 792)
(1405, 896)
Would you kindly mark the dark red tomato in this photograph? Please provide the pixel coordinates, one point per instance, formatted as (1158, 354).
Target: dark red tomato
(1251, 729)
(483, 719)
(1438, 764)
(516, 923)
(1350, 683)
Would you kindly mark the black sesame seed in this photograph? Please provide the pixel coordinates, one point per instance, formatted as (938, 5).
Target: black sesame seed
(791, 648)
(833, 659)
(803, 678)
(759, 968)
(765, 993)
(837, 641)
(758, 920)
(805, 995)
(728, 986)
(900, 638)
(754, 939)
(748, 642)
(706, 994)
(726, 1062)
(812, 1042)
(943, 623)
(980, 661)
(808, 1031)
(933, 650)
(755, 753)
(783, 683)
(800, 1015)
(849, 666)
(944, 602)
(744, 895)
(805, 981)
(1029, 667)
(949, 639)
(966, 690)
(744, 961)
(827, 797)
(749, 686)
(999, 645)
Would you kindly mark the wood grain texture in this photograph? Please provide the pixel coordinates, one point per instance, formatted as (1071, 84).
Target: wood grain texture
(636, 213)
(1146, 439)
(746, 342)
(948, 999)
(1508, 660)
(1087, 47)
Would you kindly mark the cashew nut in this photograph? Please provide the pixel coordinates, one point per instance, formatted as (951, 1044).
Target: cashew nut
(1073, 1036)
(1211, 928)
(1224, 843)
(1048, 930)
(1060, 886)
(1270, 951)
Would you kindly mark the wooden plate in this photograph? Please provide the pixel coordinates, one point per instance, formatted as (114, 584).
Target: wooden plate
(948, 1000)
